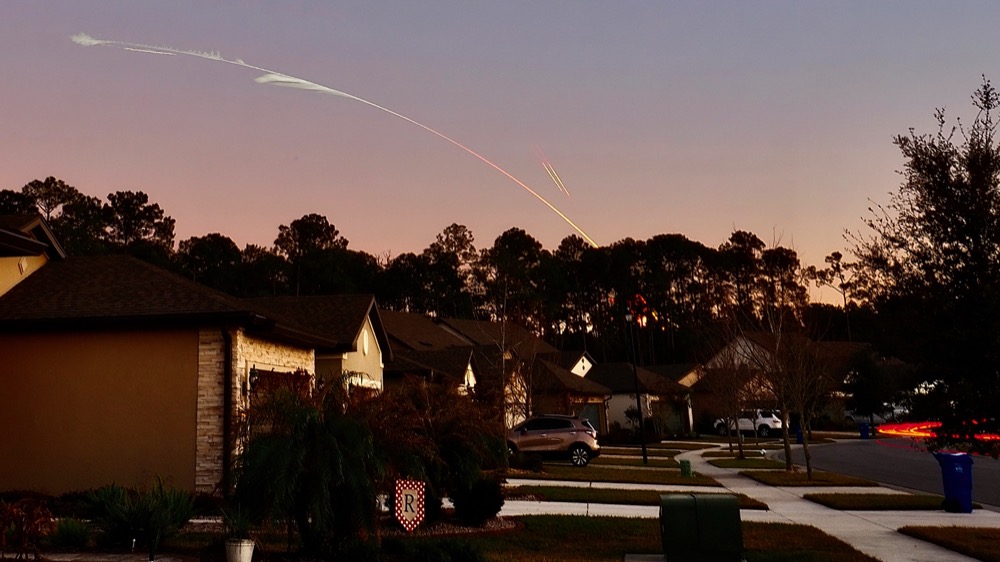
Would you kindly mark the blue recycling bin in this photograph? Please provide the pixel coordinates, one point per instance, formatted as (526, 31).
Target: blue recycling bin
(798, 434)
(864, 427)
(956, 470)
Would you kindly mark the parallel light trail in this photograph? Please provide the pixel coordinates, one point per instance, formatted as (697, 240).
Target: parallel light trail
(551, 171)
(279, 79)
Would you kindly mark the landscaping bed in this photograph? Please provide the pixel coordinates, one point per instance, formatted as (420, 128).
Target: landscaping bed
(653, 461)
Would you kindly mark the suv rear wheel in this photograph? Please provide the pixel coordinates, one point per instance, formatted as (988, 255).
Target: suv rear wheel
(763, 431)
(579, 455)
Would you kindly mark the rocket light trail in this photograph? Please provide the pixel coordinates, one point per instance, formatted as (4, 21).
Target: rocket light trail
(551, 171)
(279, 79)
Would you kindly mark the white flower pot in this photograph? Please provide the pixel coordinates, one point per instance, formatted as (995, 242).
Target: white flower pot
(239, 550)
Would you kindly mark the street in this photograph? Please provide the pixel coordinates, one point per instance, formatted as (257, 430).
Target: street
(896, 462)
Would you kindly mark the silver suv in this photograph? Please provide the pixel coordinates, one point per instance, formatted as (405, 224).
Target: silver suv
(556, 436)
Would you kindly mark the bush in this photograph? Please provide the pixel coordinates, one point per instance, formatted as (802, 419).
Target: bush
(479, 503)
(22, 524)
(145, 515)
(527, 461)
(70, 533)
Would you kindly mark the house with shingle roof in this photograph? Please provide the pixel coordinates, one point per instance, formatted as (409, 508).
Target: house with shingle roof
(358, 346)
(506, 365)
(662, 399)
(26, 244)
(124, 371)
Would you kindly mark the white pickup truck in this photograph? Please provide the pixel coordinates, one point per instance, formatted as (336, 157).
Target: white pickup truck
(765, 422)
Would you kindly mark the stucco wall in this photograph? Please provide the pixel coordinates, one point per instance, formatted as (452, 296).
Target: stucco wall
(79, 411)
(363, 359)
(14, 269)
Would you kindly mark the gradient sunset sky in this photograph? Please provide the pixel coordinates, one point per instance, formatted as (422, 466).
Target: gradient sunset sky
(660, 117)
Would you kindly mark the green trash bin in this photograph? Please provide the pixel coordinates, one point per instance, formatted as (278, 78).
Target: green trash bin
(701, 528)
(686, 469)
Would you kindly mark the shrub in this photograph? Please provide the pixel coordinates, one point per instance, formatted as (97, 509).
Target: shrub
(527, 461)
(479, 503)
(70, 533)
(146, 516)
(22, 524)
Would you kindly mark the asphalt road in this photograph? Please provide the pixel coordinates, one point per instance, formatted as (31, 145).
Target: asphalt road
(896, 462)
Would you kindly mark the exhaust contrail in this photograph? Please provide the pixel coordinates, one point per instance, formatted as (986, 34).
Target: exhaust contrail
(279, 79)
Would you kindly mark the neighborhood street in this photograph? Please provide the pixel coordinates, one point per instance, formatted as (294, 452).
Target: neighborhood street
(896, 462)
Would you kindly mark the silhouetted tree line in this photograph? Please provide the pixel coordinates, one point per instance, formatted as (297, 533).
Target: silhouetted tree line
(576, 297)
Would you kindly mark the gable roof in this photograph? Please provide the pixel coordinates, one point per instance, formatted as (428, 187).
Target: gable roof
(418, 332)
(453, 362)
(567, 359)
(338, 319)
(122, 291)
(549, 376)
(28, 235)
(673, 371)
(619, 378)
(514, 337)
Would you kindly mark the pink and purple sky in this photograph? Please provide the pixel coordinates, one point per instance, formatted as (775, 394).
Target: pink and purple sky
(660, 117)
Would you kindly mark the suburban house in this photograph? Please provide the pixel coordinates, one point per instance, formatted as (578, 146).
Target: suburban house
(422, 351)
(559, 385)
(358, 344)
(739, 367)
(663, 400)
(125, 371)
(503, 363)
(26, 244)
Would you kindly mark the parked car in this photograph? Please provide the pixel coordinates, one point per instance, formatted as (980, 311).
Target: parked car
(556, 436)
(765, 422)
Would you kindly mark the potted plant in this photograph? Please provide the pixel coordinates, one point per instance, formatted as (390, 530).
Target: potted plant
(237, 525)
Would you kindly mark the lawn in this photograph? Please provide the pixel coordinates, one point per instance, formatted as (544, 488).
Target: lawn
(611, 474)
(820, 478)
(747, 463)
(731, 454)
(607, 495)
(660, 462)
(637, 452)
(552, 538)
(983, 544)
(880, 502)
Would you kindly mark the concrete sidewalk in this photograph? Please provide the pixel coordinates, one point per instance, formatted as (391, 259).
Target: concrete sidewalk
(871, 532)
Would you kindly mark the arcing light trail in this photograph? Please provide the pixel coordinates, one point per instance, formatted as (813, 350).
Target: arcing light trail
(279, 79)
(552, 172)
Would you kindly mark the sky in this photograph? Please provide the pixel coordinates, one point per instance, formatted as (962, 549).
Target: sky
(697, 118)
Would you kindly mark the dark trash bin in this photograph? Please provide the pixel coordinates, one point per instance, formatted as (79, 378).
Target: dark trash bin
(864, 427)
(956, 471)
(686, 469)
(798, 434)
(701, 527)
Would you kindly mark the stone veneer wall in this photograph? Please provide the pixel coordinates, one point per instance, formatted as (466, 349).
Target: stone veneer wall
(248, 352)
(209, 440)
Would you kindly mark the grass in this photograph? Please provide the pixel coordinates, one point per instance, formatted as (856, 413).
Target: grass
(627, 475)
(747, 463)
(730, 454)
(660, 462)
(683, 445)
(608, 495)
(977, 543)
(880, 502)
(637, 452)
(820, 478)
(590, 539)
(553, 538)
